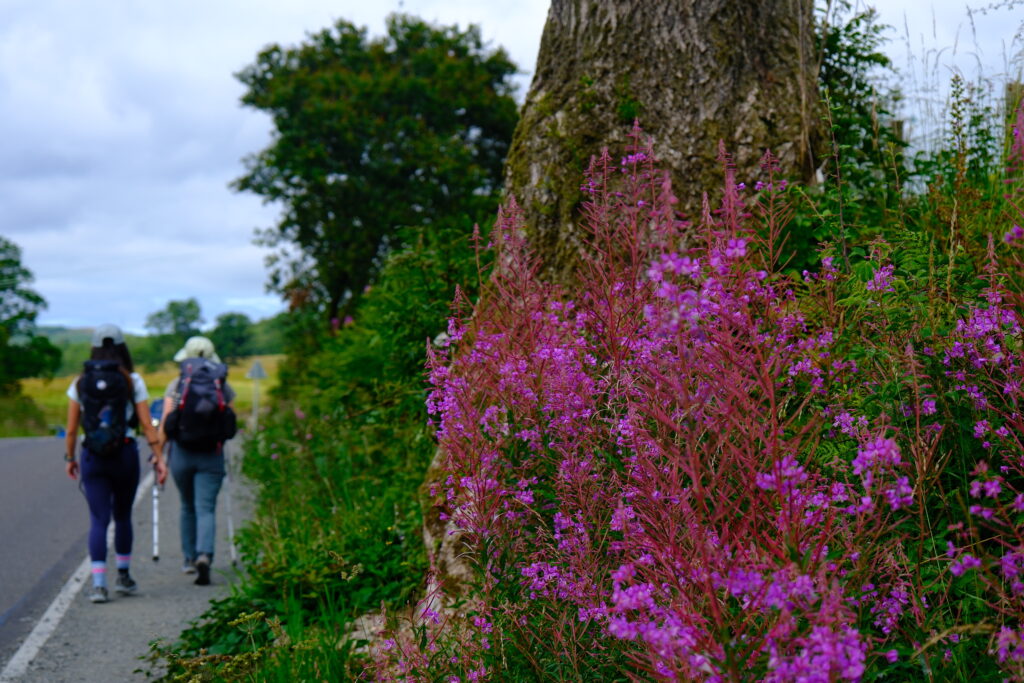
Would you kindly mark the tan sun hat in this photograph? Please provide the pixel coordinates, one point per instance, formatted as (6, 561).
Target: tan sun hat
(197, 347)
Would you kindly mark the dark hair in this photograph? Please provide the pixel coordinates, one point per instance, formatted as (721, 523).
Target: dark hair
(112, 351)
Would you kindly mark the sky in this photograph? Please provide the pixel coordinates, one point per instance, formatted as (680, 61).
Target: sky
(122, 130)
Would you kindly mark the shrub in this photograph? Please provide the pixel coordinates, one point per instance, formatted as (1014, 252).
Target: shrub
(336, 531)
(700, 467)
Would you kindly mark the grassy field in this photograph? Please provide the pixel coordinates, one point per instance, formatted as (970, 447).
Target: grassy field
(51, 399)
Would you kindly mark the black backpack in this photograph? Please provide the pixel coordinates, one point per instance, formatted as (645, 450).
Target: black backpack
(201, 420)
(105, 394)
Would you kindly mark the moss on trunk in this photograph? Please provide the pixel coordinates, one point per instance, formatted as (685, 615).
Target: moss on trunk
(692, 71)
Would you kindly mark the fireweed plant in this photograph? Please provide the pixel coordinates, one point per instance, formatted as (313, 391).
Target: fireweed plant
(697, 466)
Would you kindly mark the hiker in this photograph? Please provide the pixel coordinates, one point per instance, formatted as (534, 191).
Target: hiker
(108, 400)
(198, 417)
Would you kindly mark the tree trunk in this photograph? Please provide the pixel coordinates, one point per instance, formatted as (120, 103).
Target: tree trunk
(693, 72)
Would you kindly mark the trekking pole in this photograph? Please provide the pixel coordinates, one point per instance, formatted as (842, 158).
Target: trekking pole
(156, 515)
(231, 520)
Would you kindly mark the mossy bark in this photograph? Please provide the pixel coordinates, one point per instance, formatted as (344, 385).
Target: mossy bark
(693, 72)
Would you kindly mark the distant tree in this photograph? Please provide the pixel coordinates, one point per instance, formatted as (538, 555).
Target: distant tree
(74, 352)
(181, 318)
(232, 336)
(152, 352)
(268, 335)
(22, 352)
(372, 135)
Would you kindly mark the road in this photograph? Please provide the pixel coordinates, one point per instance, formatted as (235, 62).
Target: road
(43, 526)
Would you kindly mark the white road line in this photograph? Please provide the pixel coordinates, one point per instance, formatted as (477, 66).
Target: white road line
(18, 664)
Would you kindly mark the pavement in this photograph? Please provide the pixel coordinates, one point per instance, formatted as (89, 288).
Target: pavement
(41, 533)
(107, 642)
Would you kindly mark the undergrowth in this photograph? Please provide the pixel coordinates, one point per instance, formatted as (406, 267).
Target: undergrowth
(700, 466)
(337, 529)
(20, 416)
(782, 442)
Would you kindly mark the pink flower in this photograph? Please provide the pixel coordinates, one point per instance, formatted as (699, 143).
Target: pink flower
(965, 563)
(901, 495)
(882, 281)
(736, 248)
(877, 452)
(992, 488)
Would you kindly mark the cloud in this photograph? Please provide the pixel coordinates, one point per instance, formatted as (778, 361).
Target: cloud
(122, 129)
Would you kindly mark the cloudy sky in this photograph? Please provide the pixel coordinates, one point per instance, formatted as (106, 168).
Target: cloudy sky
(122, 129)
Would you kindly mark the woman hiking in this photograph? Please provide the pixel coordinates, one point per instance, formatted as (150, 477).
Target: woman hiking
(198, 463)
(108, 401)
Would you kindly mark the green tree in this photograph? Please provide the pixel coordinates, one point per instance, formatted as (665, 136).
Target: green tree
(232, 336)
(406, 130)
(22, 352)
(867, 147)
(181, 318)
(268, 335)
(853, 66)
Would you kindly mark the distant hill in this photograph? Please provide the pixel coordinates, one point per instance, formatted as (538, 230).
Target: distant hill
(61, 336)
(266, 338)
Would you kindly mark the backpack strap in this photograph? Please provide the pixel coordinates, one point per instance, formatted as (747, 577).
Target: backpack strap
(220, 395)
(133, 421)
(183, 384)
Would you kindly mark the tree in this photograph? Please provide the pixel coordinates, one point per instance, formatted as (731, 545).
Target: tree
(372, 135)
(692, 71)
(22, 352)
(180, 318)
(268, 335)
(232, 336)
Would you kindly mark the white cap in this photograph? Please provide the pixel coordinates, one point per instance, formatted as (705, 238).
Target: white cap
(107, 331)
(197, 347)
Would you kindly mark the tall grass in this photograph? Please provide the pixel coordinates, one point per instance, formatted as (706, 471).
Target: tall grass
(21, 416)
(50, 395)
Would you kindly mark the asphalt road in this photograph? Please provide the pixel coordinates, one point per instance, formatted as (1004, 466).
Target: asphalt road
(43, 526)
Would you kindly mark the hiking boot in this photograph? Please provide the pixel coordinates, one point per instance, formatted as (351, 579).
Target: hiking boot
(189, 567)
(125, 584)
(203, 570)
(98, 594)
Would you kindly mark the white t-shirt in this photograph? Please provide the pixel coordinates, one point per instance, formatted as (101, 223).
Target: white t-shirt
(140, 394)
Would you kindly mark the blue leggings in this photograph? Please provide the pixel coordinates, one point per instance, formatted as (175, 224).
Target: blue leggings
(110, 485)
